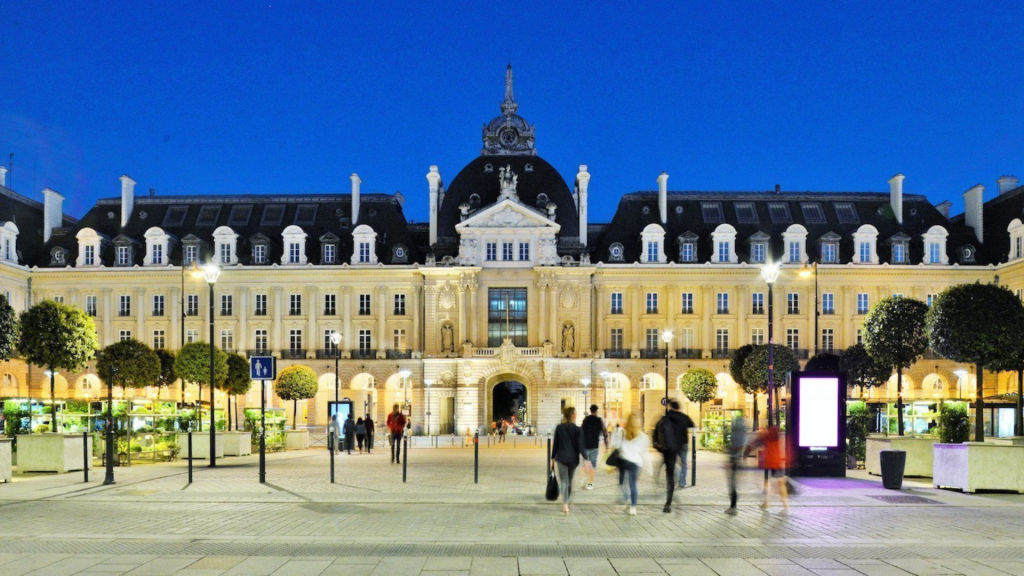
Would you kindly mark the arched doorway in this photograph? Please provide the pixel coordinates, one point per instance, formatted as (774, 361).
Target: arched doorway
(509, 401)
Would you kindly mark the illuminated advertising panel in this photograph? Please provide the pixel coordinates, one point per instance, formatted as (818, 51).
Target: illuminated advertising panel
(816, 423)
(819, 415)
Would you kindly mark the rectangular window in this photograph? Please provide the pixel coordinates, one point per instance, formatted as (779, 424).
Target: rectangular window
(157, 255)
(124, 307)
(365, 343)
(651, 337)
(722, 340)
(225, 252)
(862, 303)
(227, 305)
(158, 340)
(723, 302)
(745, 212)
(191, 336)
(860, 336)
(524, 251)
(828, 303)
(864, 252)
(687, 301)
(616, 303)
(191, 254)
(124, 255)
(793, 303)
(364, 252)
(712, 212)
(686, 339)
(779, 213)
(295, 340)
(723, 251)
(757, 303)
(260, 339)
(158, 305)
(1018, 243)
(794, 251)
(364, 305)
(846, 213)
(330, 253)
(328, 343)
(398, 340)
(828, 340)
(828, 253)
(506, 316)
(89, 258)
(295, 304)
(125, 335)
(399, 304)
(259, 254)
(90, 305)
(192, 305)
(793, 338)
(58, 299)
(492, 251)
(652, 302)
(899, 253)
(813, 213)
(330, 304)
(757, 252)
(616, 339)
(293, 252)
(506, 251)
(652, 251)
(934, 254)
(227, 340)
(757, 336)
(688, 254)
(260, 308)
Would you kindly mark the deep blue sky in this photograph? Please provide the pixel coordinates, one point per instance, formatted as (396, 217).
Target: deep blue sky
(293, 97)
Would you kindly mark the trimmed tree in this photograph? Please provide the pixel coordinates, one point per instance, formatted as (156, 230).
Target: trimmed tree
(980, 324)
(861, 369)
(699, 385)
(755, 370)
(10, 331)
(736, 361)
(193, 365)
(823, 362)
(167, 373)
(237, 381)
(128, 364)
(295, 383)
(57, 337)
(895, 336)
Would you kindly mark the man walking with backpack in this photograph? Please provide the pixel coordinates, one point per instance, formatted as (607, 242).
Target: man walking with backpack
(593, 432)
(671, 438)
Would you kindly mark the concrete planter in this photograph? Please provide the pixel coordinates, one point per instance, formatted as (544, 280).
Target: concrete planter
(5, 459)
(235, 443)
(918, 449)
(296, 439)
(52, 452)
(200, 445)
(1008, 441)
(974, 466)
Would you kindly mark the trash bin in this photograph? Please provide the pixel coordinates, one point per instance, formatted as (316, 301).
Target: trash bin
(893, 463)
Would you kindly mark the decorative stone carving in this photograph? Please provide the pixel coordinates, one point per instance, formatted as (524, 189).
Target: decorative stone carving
(467, 251)
(548, 252)
(59, 256)
(447, 338)
(446, 298)
(509, 218)
(568, 338)
(508, 180)
(507, 354)
(568, 297)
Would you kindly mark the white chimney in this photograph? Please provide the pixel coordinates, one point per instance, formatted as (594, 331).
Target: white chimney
(3, 176)
(582, 182)
(53, 212)
(972, 210)
(434, 182)
(1007, 183)
(355, 197)
(127, 198)
(663, 197)
(944, 208)
(896, 196)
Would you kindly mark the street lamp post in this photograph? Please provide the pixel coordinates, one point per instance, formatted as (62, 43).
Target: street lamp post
(428, 383)
(336, 341)
(666, 336)
(586, 384)
(770, 273)
(604, 378)
(211, 272)
(404, 374)
(109, 478)
(805, 272)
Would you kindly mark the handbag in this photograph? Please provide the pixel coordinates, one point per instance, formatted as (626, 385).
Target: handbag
(552, 491)
(614, 459)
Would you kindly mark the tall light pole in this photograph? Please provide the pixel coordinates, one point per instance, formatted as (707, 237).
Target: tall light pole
(211, 272)
(770, 273)
(336, 341)
(604, 378)
(428, 382)
(806, 272)
(404, 375)
(586, 384)
(109, 478)
(196, 273)
(666, 336)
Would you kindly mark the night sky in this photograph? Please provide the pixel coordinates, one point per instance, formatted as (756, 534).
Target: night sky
(293, 96)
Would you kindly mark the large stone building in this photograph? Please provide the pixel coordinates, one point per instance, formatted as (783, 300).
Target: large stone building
(509, 288)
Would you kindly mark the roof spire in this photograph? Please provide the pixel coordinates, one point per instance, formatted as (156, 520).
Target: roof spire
(509, 106)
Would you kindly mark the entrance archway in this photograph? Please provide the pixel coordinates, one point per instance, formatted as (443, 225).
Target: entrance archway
(509, 401)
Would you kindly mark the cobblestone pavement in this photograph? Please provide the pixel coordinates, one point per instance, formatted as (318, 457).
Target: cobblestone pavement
(440, 521)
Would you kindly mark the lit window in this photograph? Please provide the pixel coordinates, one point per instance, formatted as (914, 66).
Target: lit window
(828, 303)
(365, 344)
(398, 340)
(687, 299)
(492, 251)
(723, 302)
(616, 303)
(934, 253)
(652, 302)
(757, 303)
(793, 303)
(862, 303)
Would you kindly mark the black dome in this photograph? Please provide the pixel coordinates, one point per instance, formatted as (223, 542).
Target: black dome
(536, 177)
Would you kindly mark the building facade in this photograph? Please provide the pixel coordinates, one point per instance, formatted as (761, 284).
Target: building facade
(508, 289)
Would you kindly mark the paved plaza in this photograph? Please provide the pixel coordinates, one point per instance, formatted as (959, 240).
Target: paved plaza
(439, 522)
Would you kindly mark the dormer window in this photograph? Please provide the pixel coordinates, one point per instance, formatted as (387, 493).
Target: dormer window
(723, 239)
(89, 243)
(329, 249)
(795, 241)
(865, 242)
(9, 233)
(652, 251)
(89, 256)
(225, 241)
(935, 245)
(900, 248)
(157, 247)
(653, 242)
(1016, 230)
(364, 239)
(294, 246)
(259, 254)
(124, 251)
(829, 252)
(190, 249)
(757, 252)
(687, 247)
(124, 255)
(616, 253)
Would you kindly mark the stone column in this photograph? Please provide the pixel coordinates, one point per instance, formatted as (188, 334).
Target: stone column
(542, 289)
(242, 339)
(554, 333)
(383, 341)
(277, 329)
(314, 340)
(812, 338)
(140, 314)
(844, 338)
(174, 314)
(346, 315)
(741, 318)
(707, 299)
(462, 337)
(474, 314)
(634, 317)
(414, 309)
(108, 317)
(599, 307)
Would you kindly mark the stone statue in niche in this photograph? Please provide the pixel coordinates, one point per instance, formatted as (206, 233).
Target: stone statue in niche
(447, 339)
(568, 338)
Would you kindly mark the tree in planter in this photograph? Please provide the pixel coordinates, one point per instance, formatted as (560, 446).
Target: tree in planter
(857, 430)
(296, 383)
(193, 365)
(755, 370)
(894, 335)
(128, 364)
(954, 424)
(739, 356)
(823, 362)
(237, 382)
(167, 373)
(980, 324)
(57, 337)
(861, 369)
(699, 385)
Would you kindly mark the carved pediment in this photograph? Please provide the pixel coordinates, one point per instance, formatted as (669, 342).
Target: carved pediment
(508, 214)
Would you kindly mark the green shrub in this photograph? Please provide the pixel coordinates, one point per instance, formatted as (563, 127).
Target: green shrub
(954, 424)
(43, 428)
(857, 429)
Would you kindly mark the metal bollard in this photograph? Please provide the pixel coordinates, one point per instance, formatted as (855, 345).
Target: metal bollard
(330, 448)
(86, 459)
(693, 462)
(405, 457)
(189, 456)
(476, 458)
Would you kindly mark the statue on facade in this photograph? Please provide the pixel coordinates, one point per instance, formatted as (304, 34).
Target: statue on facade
(568, 338)
(447, 339)
(508, 180)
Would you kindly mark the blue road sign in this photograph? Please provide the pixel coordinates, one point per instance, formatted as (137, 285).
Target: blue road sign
(262, 368)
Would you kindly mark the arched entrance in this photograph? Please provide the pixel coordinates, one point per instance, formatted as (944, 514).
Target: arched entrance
(510, 401)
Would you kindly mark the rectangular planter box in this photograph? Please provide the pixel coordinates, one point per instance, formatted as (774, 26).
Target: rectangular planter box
(1009, 441)
(918, 449)
(974, 466)
(52, 452)
(5, 459)
(296, 439)
(200, 445)
(235, 443)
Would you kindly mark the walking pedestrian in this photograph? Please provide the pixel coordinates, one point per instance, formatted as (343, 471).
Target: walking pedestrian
(737, 446)
(769, 440)
(368, 422)
(593, 432)
(334, 431)
(633, 446)
(350, 433)
(504, 431)
(671, 438)
(396, 426)
(566, 451)
(360, 433)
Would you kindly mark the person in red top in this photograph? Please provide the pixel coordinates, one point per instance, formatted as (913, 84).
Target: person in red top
(770, 441)
(396, 425)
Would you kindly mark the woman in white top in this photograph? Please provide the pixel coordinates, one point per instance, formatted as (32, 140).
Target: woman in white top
(633, 451)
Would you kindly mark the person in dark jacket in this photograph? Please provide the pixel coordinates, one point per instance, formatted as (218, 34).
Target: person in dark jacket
(350, 433)
(671, 438)
(369, 433)
(566, 451)
(593, 432)
(360, 433)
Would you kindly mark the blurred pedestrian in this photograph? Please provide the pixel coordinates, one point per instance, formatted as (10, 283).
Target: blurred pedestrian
(593, 432)
(770, 442)
(396, 427)
(737, 447)
(368, 422)
(633, 449)
(334, 433)
(360, 433)
(566, 452)
(350, 433)
(671, 439)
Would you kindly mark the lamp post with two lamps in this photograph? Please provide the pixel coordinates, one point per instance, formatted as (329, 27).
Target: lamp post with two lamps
(211, 272)
(336, 342)
(770, 273)
(666, 336)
